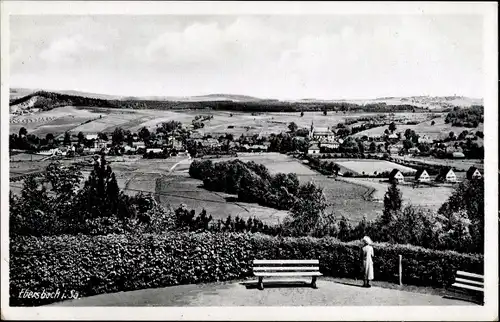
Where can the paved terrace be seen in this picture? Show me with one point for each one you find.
(330, 292)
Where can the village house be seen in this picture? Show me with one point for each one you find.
(313, 149)
(174, 143)
(321, 134)
(330, 145)
(49, 152)
(128, 148)
(255, 148)
(90, 137)
(473, 173)
(458, 155)
(413, 151)
(396, 176)
(154, 150)
(422, 176)
(393, 138)
(425, 139)
(208, 142)
(139, 145)
(446, 175)
(470, 136)
(196, 135)
(394, 149)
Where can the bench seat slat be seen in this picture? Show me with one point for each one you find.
(288, 274)
(459, 285)
(286, 268)
(469, 274)
(464, 281)
(284, 261)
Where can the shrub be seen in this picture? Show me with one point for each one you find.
(94, 265)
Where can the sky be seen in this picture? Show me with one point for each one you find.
(280, 56)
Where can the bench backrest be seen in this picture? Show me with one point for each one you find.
(282, 265)
(470, 279)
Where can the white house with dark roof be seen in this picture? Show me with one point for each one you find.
(321, 134)
(396, 176)
(474, 173)
(446, 175)
(422, 176)
(313, 149)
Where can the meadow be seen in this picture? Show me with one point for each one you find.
(439, 130)
(429, 197)
(463, 164)
(93, 120)
(344, 198)
(369, 167)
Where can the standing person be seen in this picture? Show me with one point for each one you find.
(367, 255)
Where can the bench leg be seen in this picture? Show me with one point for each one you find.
(313, 283)
(261, 284)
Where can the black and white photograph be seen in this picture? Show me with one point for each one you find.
(251, 157)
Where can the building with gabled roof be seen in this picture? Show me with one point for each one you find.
(473, 173)
(313, 149)
(422, 176)
(446, 175)
(396, 176)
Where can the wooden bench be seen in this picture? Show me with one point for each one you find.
(469, 282)
(286, 268)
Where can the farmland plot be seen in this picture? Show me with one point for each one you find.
(58, 119)
(370, 167)
(346, 198)
(179, 188)
(423, 196)
(439, 130)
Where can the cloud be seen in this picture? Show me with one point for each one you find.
(323, 56)
(70, 49)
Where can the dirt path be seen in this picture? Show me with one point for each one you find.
(245, 293)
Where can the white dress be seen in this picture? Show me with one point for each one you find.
(368, 262)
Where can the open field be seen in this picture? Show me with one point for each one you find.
(179, 188)
(463, 164)
(275, 162)
(423, 196)
(172, 186)
(169, 181)
(73, 119)
(369, 167)
(439, 130)
(21, 157)
(55, 121)
(345, 198)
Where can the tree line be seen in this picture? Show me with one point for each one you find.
(48, 100)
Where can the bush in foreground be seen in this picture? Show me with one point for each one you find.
(102, 264)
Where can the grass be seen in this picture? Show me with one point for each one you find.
(423, 196)
(439, 130)
(369, 167)
(179, 188)
(70, 118)
(346, 198)
(463, 164)
(20, 157)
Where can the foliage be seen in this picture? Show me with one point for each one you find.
(392, 203)
(54, 205)
(466, 117)
(467, 202)
(104, 264)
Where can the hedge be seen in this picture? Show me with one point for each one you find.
(94, 265)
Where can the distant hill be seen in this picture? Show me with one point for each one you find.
(29, 100)
(426, 102)
(16, 93)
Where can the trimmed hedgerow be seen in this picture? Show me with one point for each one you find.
(94, 265)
